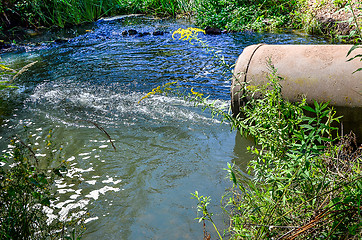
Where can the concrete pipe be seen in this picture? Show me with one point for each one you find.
(319, 72)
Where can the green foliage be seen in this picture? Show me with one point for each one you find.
(340, 3)
(64, 12)
(61, 13)
(303, 181)
(202, 204)
(356, 33)
(231, 15)
(244, 14)
(26, 190)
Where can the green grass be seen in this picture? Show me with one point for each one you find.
(61, 13)
(231, 15)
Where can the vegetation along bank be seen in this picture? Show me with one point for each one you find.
(332, 18)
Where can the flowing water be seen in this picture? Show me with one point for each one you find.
(166, 147)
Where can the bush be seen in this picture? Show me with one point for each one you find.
(239, 15)
(305, 183)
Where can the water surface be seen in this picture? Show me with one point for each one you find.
(166, 147)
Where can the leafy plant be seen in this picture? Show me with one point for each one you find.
(26, 190)
(243, 14)
(202, 204)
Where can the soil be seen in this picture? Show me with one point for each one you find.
(332, 18)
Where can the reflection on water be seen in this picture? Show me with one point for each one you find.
(166, 148)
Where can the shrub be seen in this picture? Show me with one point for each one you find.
(244, 14)
(305, 183)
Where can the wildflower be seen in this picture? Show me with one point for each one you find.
(196, 93)
(159, 89)
(188, 33)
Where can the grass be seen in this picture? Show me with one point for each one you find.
(241, 15)
(61, 13)
(230, 15)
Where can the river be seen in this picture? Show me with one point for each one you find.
(165, 147)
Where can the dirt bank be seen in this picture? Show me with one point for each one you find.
(333, 17)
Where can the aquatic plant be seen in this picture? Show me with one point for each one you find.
(159, 89)
(5, 72)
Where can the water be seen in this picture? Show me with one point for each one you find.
(166, 147)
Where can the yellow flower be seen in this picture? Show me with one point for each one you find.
(196, 93)
(188, 33)
(158, 89)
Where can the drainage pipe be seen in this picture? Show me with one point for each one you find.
(318, 72)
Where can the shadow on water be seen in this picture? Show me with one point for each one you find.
(166, 148)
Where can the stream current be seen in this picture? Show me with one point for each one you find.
(166, 147)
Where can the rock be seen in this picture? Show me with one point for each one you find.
(158, 33)
(19, 49)
(61, 40)
(267, 21)
(143, 34)
(212, 31)
(31, 32)
(132, 32)
(13, 48)
(249, 32)
(115, 18)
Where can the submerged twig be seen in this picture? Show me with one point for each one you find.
(103, 130)
(24, 69)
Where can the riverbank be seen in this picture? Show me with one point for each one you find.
(337, 20)
(22, 19)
